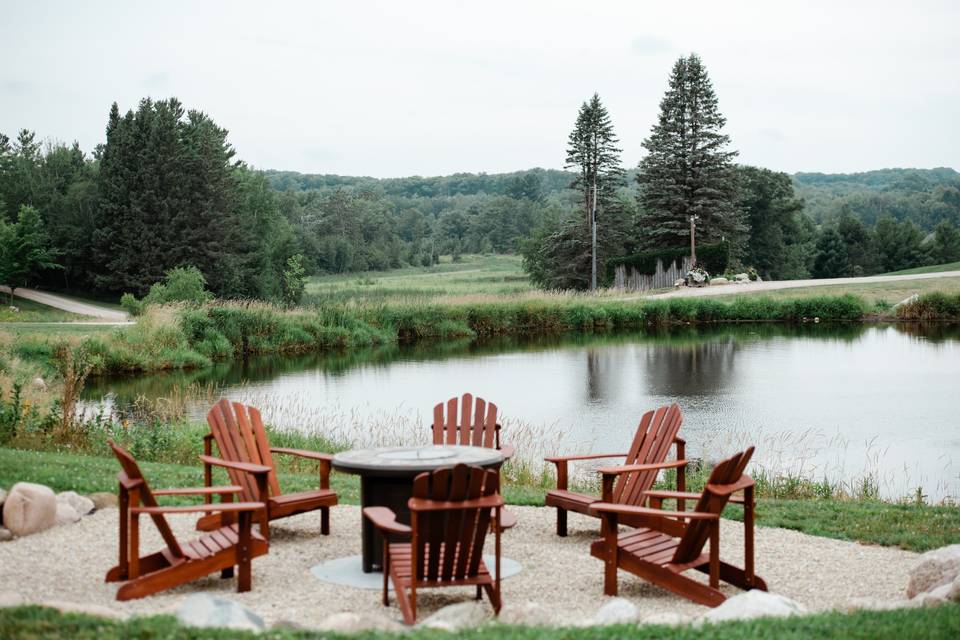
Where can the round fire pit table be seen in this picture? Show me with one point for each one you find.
(386, 480)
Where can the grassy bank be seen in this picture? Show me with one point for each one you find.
(915, 527)
(942, 623)
(30, 311)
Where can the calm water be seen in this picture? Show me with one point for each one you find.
(837, 402)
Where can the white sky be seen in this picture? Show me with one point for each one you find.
(402, 88)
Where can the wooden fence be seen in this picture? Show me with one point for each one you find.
(661, 278)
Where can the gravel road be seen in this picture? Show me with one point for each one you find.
(68, 564)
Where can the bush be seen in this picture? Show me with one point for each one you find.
(931, 306)
(183, 284)
(131, 305)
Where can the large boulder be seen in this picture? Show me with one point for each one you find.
(81, 504)
(29, 508)
(103, 499)
(754, 604)
(459, 616)
(616, 611)
(204, 610)
(718, 281)
(935, 568)
(5, 534)
(66, 514)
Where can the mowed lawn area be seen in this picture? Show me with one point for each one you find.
(30, 311)
(883, 292)
(489, 275)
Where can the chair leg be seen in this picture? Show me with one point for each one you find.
(386, 572)
(479, 592)
(243, 552)
(561, 522)
(715, 554)
(325, 520)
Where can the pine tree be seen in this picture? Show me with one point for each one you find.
(592, 150)
(831, 260)
(946, 243)
(688, 169)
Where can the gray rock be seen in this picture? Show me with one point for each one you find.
(669, 618)
(955, 590)
(203, 610)
(935, 568)
(459, 616)
(103, 500)
(754, 604)
(616, 611)
(346, 622)
(5, 534)
(10, 599)
(85, 608)
(66, 514)
(29, 508)
(526, 613)
(741, 277)
(81, 504)
(936, 597)
(720, 280)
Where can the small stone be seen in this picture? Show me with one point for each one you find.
(66, 514)
(526, 613)
(616, 611)
(81, 504)
(346, 622)
(459, 616)
(29, 508)
(204, 610)
(85, 608)
(103, 500)
(5, 534)
(934, 568)
(10, 599)
(668, 618)
(937, 597)
(754, 604)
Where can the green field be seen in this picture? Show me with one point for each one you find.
(486, 275)
(952, 266)
(30, 311)
(890, 292)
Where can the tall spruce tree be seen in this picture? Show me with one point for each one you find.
(592, 150)
(688, 169)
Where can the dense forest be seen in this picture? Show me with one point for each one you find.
(165, 190)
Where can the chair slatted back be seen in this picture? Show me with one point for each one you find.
(727, 472)
(457, 534)
(131, 473)
(651, 444)
(476, 426)
(238, 430)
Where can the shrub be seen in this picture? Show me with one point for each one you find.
(131, 305)
(183, 284)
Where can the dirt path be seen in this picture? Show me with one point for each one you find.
(66, 304)
(731, 289)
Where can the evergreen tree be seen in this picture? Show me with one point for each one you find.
(767, 198)
(861, 253)
(831, 260)
(688, 170)
(25, 250)
(946, 244)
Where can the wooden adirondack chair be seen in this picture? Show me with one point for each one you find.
(629, 483)
(672, 542)
(477, 427)
(220, 550)
(248, 458)
(450, 514)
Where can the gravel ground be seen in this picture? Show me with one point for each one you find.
(68, 564)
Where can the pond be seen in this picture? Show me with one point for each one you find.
(846, 403)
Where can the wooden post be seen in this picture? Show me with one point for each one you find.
(693, 242)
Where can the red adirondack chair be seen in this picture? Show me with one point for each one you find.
(477, 425)
(450, 513)
(632, 481)
(231, 545)
(671, 542)
(248, 458)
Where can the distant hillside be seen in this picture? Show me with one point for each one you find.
(925, 196)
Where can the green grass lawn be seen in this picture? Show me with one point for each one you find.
(912, 527)
(941, 623)
(30, 311)
(952, 266)
(495, 275)
(890, 292)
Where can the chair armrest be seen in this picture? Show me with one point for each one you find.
(233, 507)
(385, 519)
(591, 456)
(507, 451)
(302, 453)
(627, 468)
(683, 495)
(197, 491)
(246, 467)
(422, 504)
(610, 507)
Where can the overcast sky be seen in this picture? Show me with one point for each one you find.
(431, 88)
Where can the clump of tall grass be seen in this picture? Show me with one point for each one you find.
(931, 306)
